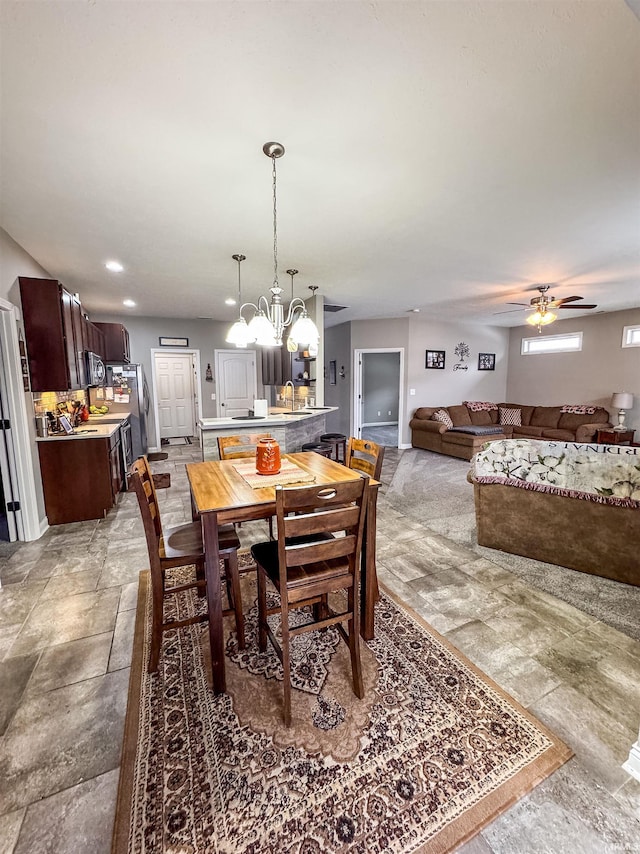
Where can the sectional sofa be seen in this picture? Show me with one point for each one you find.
(471, 427)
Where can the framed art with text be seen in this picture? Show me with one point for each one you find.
(435, 359)
(486, 361)
(174, 342)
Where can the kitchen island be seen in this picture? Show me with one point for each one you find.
(291, 429)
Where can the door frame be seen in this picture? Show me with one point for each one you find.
(24, 449)
(216, 357)
(358, 386)
(197, 387)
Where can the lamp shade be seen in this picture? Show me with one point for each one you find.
(622, 400)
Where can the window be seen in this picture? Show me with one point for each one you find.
(552, 344)
(631, 336)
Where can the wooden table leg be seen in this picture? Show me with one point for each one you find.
(214, 600)
(369, 579)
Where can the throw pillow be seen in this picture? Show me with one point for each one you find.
(443, 416)
(512, 417)
(580, 409)
(480, 405)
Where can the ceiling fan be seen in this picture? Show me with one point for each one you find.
(543, 308)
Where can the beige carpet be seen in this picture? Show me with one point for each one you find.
(433, 753)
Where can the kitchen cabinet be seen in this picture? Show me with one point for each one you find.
(53, 323)
(81, 478)
(276, 365)
(116, 342)
(94, 339)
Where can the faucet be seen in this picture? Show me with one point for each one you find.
(293, 393)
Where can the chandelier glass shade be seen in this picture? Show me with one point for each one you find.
(270, 319)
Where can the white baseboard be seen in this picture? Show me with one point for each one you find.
(404, 447)
(380, 424)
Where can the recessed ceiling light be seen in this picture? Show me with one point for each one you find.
(413, 310)
(114, 266)
(229, 301)
(128, 302)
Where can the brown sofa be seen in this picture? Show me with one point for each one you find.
(538, 422)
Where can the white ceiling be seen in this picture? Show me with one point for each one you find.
(440, 155)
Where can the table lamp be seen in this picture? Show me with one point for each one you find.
(621, 400)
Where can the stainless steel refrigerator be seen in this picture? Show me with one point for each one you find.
(126, 390)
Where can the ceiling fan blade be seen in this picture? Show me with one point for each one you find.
(580, 307)
(567, 299)
(525, 304)
(510, 310)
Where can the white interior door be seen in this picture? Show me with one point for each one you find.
(236, 382)
(175, 392)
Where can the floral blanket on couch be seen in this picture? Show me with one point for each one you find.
(608, 474)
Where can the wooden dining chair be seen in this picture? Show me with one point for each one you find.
(365, 456)
(180, 546)
(307, 562)
(240, 447)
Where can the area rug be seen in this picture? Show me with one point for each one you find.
(432, 754)
(157, 456)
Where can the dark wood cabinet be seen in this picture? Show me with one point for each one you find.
(116, 342)
(276, 365)
(96, 482)
(53, 323)
(94, 338)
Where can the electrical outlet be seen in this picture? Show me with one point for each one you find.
(213, 395)
(412, 391)
(389, 413)
(378, 412)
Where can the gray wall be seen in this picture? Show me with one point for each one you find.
(337, 347)
(380, 376)
(438, 387)
(590, 376)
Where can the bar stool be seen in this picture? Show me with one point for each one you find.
(323, 449)
(337, 441)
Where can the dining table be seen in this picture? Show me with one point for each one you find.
(220, 495)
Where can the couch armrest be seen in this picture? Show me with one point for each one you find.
(425, 426)
(587, 432)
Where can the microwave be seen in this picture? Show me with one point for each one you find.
(95, 369)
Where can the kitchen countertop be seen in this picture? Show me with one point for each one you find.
(85, 431)
(109, 418)
(275, 417)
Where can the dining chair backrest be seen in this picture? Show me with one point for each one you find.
(365, 456)
(307, 514)
(236, 447)
(142, 480)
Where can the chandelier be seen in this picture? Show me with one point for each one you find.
(266, 327)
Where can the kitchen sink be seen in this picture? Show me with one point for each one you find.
(247, 417)
(295, 412)
(318, 407)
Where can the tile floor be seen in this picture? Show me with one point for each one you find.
(67, 607)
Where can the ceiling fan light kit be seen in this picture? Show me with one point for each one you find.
(269, 321)
(544, 307)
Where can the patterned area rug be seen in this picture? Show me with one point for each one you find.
(433, 753)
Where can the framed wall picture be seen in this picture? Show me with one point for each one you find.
(486, 361)
(435, 359)
(332, 372)
(174, 342)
